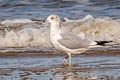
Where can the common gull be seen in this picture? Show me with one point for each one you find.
(65, 41)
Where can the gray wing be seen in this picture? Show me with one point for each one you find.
(73, 42)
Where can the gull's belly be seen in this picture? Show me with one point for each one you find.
(54, 40)
(57, 45)
(60, 47)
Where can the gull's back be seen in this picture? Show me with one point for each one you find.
(72, 41)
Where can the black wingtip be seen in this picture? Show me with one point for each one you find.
(102, 42)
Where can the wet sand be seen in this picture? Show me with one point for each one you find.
(45, 64)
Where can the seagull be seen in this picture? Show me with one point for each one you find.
(65, 41)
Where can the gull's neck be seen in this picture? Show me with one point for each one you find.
(55, 31)
(55, 27)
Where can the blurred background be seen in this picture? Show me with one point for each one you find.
(74, 9)
(25, 49)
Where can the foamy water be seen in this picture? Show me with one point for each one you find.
(35, 33)
(24, 35)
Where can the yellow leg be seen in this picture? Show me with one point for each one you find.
(70, 64)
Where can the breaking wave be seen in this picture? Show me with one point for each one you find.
(35, 33)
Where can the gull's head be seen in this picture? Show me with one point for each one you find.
(53, 19)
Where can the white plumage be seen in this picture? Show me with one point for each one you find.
(65, 41)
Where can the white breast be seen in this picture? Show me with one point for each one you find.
(54, 37)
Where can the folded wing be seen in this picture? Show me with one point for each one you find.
(74, 42)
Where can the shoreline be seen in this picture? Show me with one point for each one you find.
(51, 52)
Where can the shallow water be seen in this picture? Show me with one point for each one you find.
(45, 64)
(42, 8)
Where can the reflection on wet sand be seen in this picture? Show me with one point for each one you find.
(59, 73)
(28, 65)
(81, 75)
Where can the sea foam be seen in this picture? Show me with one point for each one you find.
(35, 33)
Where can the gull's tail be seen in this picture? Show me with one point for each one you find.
(102, 42)
(98, 43)
(93, 43)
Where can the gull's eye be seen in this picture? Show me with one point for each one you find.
(52, 18)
